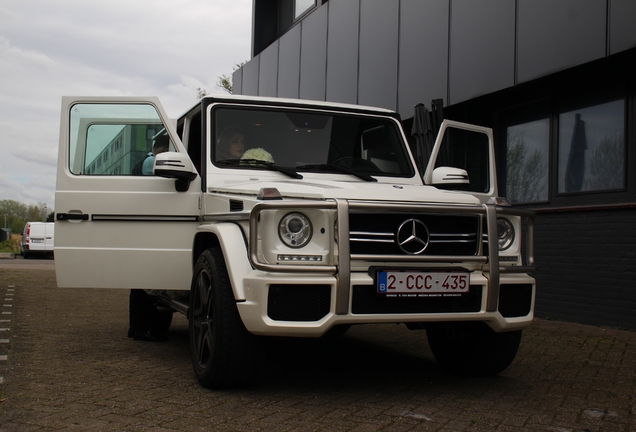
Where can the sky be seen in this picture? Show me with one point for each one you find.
(54, 48)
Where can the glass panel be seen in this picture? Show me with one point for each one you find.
(467, 150)
(592, 148)
(115, 139)
(309, 142)
(527, 161)
(302, 6)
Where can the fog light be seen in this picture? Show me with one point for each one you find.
(300, 258)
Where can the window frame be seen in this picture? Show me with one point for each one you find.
(570, 103)
(552, 107)
(299, 16)
(536, 110)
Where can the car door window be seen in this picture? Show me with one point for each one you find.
(115, 139)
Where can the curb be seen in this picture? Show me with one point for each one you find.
(7, 255)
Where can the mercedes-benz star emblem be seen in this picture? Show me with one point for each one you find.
(412, 236)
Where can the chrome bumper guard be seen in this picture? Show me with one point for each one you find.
(342, 271)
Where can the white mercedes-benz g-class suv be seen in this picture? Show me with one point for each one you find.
(276, 217)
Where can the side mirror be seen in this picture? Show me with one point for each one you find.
(177, 166)
(450, 178)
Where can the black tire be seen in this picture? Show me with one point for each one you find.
(472, 349)
(223, 352)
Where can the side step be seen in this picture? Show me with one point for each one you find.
(179, 306)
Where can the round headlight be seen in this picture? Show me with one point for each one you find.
(295, 230)
(505, 233)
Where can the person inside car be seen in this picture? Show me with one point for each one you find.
(161, 144)
(231, 144)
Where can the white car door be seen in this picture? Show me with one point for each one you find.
(114, 226)
(463, 158)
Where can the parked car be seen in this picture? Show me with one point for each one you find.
(37, 239)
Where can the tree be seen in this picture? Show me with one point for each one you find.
(15, 215)
(201, 93)
(226, 82)
(606, 165)
(526, 173)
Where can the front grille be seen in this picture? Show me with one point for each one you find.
(298, 302)
(377, 234)
(366, 300)
(515, 300)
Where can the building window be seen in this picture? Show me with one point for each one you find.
(561, 151)
(302, 6)
(591, 149)
(527, 150)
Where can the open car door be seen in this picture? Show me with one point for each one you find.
(463, 157)
(117, 224)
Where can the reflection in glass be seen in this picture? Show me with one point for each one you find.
(592, 148)
(527, 161)
(112, 139)
(302, 6)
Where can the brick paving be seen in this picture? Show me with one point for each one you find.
(70, 367)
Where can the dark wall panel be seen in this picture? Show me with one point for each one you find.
(482, 48)
(268, 71)
(586, 267)
(622, 25)
(250, 77)
(556, 35)
(289, 63)
(342, 51)
(377, 85)
(423, 63)
(313, 55)
(237, 81)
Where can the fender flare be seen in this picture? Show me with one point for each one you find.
(232, 241)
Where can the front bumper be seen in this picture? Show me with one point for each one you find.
(308, 300)
(305, 305)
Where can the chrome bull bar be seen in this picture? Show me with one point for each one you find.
(342, 269)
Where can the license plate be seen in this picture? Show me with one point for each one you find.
(422, 284)
(37, 241)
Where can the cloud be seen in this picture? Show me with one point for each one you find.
(48, 158)
(165, 48)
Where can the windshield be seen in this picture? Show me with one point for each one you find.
(302, 141)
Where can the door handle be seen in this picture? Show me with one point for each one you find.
(71, 216)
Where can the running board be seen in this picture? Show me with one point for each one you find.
(171, 303)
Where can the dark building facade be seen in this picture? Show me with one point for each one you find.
(555, 79)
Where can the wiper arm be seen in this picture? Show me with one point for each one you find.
(270, 166)
(341, 169)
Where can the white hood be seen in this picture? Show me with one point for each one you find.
(356, 190)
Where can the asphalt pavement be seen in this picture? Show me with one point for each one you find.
(67, 365)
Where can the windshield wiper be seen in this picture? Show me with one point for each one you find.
(338, 168)
(269, 165)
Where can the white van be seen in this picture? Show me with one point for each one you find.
(37, 238)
